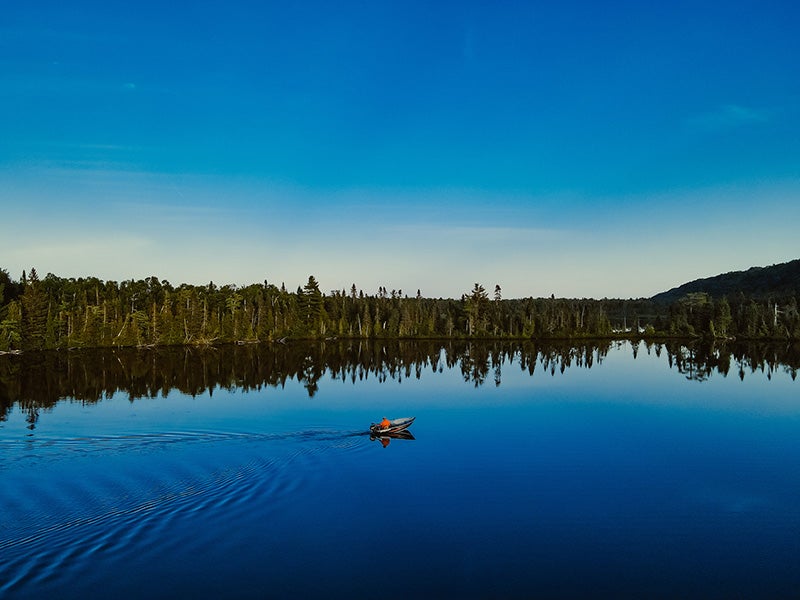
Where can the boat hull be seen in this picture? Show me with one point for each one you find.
(395, 426)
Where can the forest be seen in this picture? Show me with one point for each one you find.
(55, 313)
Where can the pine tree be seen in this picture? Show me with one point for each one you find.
(476, 304)
(310, 300)
(722, 317)
(11, 328)
(34, 313)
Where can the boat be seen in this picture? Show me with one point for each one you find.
(395, 425)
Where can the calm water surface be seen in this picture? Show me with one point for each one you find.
(613, 470)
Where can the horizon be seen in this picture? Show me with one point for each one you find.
(580, 151)
(490, 289)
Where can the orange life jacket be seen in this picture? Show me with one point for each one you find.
(385, 423)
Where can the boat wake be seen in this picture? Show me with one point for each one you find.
(112, 498)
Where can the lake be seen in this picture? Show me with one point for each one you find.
(596, 470)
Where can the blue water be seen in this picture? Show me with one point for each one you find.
(623, 480)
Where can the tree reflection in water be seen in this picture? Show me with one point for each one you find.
(35, 381)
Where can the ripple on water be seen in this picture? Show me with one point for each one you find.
(125, 499)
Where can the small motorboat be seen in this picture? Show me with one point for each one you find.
(395, 425)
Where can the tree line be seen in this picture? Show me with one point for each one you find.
(55, 312)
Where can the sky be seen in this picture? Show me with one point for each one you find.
(581, 149)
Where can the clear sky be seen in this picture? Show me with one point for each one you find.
(582, 149)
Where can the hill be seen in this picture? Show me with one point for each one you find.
(776, 281)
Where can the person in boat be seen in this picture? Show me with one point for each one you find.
(385, 424)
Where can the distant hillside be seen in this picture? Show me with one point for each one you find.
(757, 282)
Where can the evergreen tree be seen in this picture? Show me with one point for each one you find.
(476, 304)
(34, 313)
(11, 328)
(722, 317)
(310, 299)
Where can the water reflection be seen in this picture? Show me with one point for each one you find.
(36, 381)
(386, 438)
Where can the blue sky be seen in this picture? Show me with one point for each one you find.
(574, 148)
